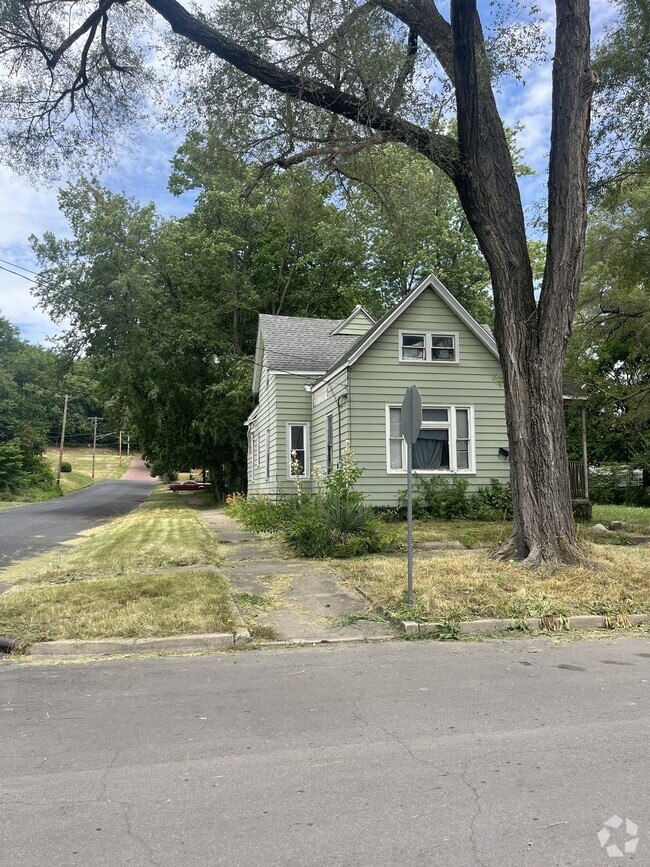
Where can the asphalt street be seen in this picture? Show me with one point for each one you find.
(36, 527)
(491, 754)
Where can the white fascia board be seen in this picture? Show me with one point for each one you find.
(298, 372)
(252, 416)
(429, 282)
(258, 360)
(357, 309)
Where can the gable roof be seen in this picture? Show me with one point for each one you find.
(361, 344)
(299, 344)
(359, 312)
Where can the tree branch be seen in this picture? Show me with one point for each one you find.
(90, 23)
(440, 149)
(423, 17)
(405, 72)
(573, 85)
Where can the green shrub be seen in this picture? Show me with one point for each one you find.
(66, 467)
(582, 510)
(497, 498)
(334, 522)
(445, 499)
(263, 515)
(332, 525)
(616, 485)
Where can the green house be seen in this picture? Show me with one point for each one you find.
(323, 384)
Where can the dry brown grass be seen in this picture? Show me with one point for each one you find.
(134, 607)
(468, 586)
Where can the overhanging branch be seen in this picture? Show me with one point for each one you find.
(440, 149)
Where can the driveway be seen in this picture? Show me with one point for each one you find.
(36, 527)
(491, 754)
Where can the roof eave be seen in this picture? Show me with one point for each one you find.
(445, 295)
(257, 363)
(358, 309)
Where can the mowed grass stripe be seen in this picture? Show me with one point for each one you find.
(137, 606)
(161, 533)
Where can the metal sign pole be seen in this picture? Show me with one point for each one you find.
(409, 522)
(411, 422)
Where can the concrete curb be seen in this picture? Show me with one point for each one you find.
(242, 635)
(207, 641)
(533, 624)
(318, 642)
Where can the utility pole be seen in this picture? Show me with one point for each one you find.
(95, 420)
(120, 458)
(65, 417)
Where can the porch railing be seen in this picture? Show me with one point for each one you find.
(577, 476)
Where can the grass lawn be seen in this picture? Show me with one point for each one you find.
(161, 533)
(470, 586)
(95, 587)
(468, 533)
(637, 518)
(106, 465)
(137, 606)
(493, 533)
(74, 481)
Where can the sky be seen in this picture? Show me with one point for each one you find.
(142, 173)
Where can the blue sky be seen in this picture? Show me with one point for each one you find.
(142, 173)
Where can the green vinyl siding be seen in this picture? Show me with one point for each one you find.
(281, 401)
(264, 421)
(325, 401)
(358, 324)
(379, 378)
(293, 404)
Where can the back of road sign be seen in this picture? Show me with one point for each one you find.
(411, 414)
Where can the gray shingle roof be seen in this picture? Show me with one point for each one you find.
(301, 343)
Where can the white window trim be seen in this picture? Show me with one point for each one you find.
(413, 333)
(252, 453)
(428, 349)
(451, 426)
(305, 425)
(329, 429)
(267, 465)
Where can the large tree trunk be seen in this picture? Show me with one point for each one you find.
(532, 336)
(544, 530)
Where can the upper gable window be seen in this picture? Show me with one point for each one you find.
(432, 346)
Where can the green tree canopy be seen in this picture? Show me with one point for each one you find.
(610, 351)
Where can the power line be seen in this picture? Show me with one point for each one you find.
(2, 268)
(20, 267)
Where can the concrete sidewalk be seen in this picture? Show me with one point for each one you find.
(301, 600)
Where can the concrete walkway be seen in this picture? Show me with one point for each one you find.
(301, 600)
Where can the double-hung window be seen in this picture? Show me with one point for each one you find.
(297, 450)
(267, 473)
(445, 443)
(253, 446)
(330, 443)
(428, 346)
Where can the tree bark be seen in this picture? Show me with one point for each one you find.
(532, 337)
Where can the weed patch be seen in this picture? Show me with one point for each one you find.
(453, 588)
(137, 606)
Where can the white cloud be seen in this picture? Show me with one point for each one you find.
(26, 209)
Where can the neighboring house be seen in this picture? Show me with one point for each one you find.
(324, 383)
